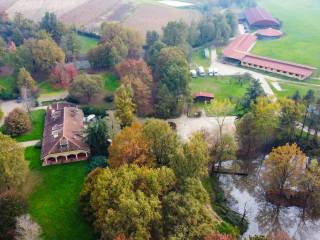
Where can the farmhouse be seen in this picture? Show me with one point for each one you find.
(238, 52)
(203, 97)
(63, 140)
(269, 33)
(259, 18)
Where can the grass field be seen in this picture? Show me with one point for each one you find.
(302, 31)
(37, 118)
(47, 88)
(221, 87)
(87, 43)
(199, 59)
(110, 81)
(54, 202)
(289, 89)
(7, 84)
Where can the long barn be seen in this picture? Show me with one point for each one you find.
(238, 52)
(260, 18)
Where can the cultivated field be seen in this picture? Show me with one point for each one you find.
(301, 25)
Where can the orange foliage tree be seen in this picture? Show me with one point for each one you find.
(64, 74)
(130, 147)
(137, 75)
(218, 236)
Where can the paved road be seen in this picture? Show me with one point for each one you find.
(228, 70)
(30, 143)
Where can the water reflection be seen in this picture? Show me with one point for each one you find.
(246, 194)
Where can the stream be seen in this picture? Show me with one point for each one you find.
(246, 193)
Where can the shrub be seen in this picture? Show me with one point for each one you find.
(17, 122)
(97, 161)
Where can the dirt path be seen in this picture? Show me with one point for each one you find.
(30, 143)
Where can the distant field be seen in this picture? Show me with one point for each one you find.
(54, 202)
(221, 87)
(87, 43)
(301, 26)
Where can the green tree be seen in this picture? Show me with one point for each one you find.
(175, 33)
(186, 214)
(97, 136)
(11, 207)
(162, 140)
(25, 80)
(167, 104)
(1, 114)
(126, 200)
(192, 159)
(17, 122)
(153, 52)
(70, 43)
(53, 26)
(13, 167)
(124, 106)
(86, 88)
(151, 38)
(232, 21)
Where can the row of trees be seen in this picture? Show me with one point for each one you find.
(152, 187)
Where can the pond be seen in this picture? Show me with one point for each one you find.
(246, 194)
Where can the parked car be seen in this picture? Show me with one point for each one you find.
(201, 71)
(215, 71)
(193, 73)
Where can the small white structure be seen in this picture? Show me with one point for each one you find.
(201, 71)
(215, 71)
(193, 73)
(90, 118)
(206, 53)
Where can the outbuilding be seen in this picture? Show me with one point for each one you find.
(269, 34)
(203, 97)
(257, 17)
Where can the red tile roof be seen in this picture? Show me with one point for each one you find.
(258, 15)
(279, 65)
(203, 94)
(269, 32)
(240, 46)
(64, 122)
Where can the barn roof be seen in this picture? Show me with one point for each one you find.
(269, 32)
(257, 14)
(279, 65)
(63, 122)
(203, 94)
(240, 46)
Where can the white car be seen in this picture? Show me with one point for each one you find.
(201, 71)
(210, 71)
(193, 73)
(215, 71)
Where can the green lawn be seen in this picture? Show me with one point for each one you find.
(54, 202)
(301, 26)
(37, 118)
(87, 43)
(110, 81)
(47, 88)
(199, 59)
(221, 87)
(288, 89)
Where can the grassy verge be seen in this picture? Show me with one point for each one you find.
(199, 59)
(289, 89)
(232, 220)
(37, 118)
(47, 88)
(86, 43)
(54, 202)
(221, 87)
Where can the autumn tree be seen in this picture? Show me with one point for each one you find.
(283, 167)
(162, 140)
(13, 167)
(86, 88)
(25, 80)
(218, 236)
(137, 75)
(126, 200)
(130, 147)
(192, 159)
(97, 136)
(223, 149)
(125, 106)
(186, 214)
(12, 205)
(38, 55)
(63, 74)
(220, 110)
(17, 122)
